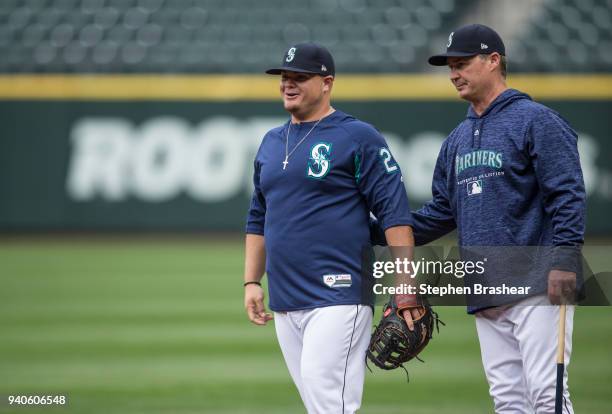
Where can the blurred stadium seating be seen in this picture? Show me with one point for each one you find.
(237, 36)
(567, 36)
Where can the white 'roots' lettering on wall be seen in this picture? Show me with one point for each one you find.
(166, 157)
(112, 160)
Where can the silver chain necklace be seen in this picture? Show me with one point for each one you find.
(287, 153)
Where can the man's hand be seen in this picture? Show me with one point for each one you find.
(561, 287)
(254, 304)
(409, 309)
(411, 315)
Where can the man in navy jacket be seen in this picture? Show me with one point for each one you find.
(509, 175)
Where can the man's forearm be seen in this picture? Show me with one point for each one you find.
(399, 236)
(401, 246)
(254, 258)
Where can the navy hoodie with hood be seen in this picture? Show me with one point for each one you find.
(509, 177)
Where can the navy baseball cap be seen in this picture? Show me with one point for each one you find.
(306, 58)
(471, 40)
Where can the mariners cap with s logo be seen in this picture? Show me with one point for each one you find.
(471, 40)
(306, 58)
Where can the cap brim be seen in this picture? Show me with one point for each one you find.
(277, 71)
(442, 60)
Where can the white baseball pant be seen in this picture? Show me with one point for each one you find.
(518, 345)
(324, 349)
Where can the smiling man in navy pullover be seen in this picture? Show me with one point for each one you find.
(509, 175)
(316, 179)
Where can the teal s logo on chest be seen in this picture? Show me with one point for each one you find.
(478, 158)
(319, 162)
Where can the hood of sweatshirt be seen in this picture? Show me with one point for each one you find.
(504, 99)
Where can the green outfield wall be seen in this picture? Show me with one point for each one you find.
(71, 161)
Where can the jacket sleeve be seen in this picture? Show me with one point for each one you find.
(435, 218)
(554, 153)
(256, 216)
(380, 181)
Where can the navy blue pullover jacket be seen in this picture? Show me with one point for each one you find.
(314, 214)
(510, 177)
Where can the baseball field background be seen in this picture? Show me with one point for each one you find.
(125, 324)
(127, 134)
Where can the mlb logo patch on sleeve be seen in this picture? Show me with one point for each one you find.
(338, 280)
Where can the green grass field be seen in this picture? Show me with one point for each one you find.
(158, 327)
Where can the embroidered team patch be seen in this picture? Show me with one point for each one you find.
(337, 280)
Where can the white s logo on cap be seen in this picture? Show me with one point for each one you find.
(450, 39)
(290, 54)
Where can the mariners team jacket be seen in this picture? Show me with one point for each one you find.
(510, 177)
(314, 214)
